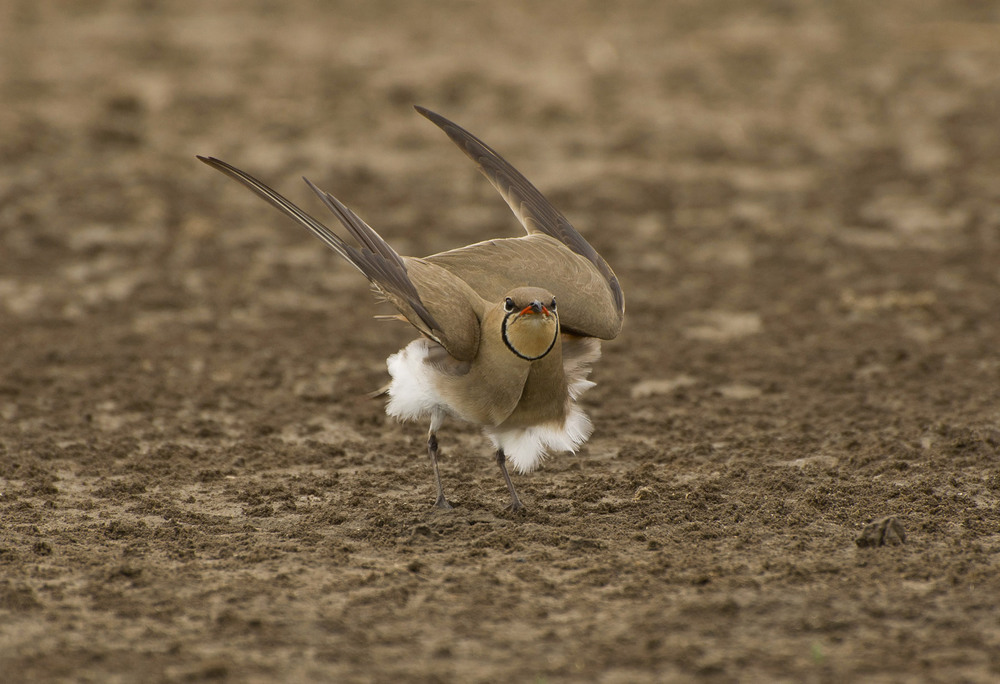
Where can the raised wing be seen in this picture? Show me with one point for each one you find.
(435, 301)
(495, 267)
(535, 213)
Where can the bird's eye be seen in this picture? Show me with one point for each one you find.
(552, 306)
(508, 304)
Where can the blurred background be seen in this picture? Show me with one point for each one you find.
(802, 202)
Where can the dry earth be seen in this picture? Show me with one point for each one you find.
(802, 201)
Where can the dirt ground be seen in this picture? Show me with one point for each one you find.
(802, 202)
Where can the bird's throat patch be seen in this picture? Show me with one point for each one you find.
(510, 345)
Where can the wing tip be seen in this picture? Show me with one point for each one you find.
(313, 187)
(216, 163)
(445, 124)
(426, 113)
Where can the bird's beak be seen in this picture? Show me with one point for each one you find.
(534, 308)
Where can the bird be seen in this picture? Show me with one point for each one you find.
(509, 327)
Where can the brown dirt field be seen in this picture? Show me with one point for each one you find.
(802, 202)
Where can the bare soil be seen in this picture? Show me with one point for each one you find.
(802, 202)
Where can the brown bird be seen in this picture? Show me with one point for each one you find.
(509, 327)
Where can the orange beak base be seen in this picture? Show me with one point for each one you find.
(530, 310)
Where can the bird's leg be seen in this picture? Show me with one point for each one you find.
(432, 449)
(515, 503)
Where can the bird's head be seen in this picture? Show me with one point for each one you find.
(530, 324)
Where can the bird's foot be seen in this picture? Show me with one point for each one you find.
(443, 503)
(515, 506)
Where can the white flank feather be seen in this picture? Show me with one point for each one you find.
(578, 354)
(411, 391)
